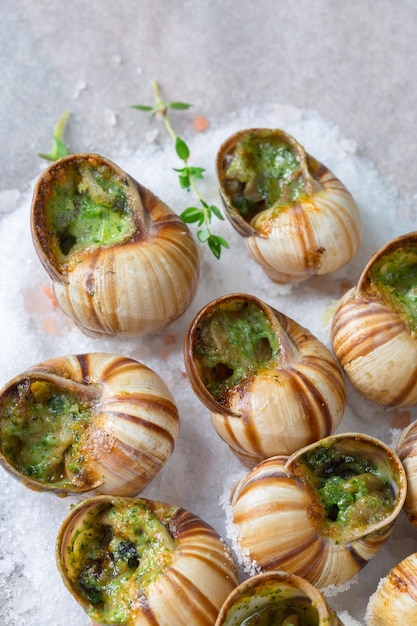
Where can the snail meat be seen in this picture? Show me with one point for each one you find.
(133, 561)
(323, 512)
(87, 422)
(298, 219)
(271, 386)
(374, 326)
(121, 261)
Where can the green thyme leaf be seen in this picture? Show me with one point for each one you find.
(214, 209)
(204, 235)
(179, 105)
(215, 243)
(181, 149)
(191, 215)
(142, 107)
(188, 175)
(59, 148)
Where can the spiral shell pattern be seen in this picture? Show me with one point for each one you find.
(280, 409)
(374, 341)
(135, 287)
(133, 428)
(274, 518)
(407, 452)
(316, 234)
(394, 602)
(190, 587)
(313, 237)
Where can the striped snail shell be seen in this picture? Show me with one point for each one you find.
(374, 326)
(138, 562)
(321, 513)
(87, 423)
(121, 261)
(394, 603)
(407, 452)
(297, 217)
(270, 385)
(276, 598)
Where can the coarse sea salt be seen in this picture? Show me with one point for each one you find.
(202, 469)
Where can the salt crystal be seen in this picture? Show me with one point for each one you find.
(80, 86)
(202, 469)
(9, 199)
(110, 117)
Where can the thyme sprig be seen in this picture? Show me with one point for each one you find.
(188, 175)
(59, 148)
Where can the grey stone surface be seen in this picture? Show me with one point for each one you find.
(355, 62)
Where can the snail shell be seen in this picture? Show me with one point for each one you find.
(94, 422)
(121, 261)
(270, 385)
(374, 326)
(158, 564)
(298, 219)
(394, 603)
(278, 596)
(407, 452)
(321, 513)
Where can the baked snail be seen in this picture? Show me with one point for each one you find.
(89, 422)
(298, 219)
(270, 385)
(276, 598)
(121, 261)
(394, 603)
(321, 513)
(134, 561)
(374, 326)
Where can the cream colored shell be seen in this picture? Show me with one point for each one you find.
(394, 603)
(276, 588)
(189, 590)
(137, 287)
(407, 452)
(311, 236)
(134, 428)
(374, 341)
(280, 409)
(275, 525)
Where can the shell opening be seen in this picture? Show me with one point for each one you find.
(394, 275)
(287, 612)
(45, 434)
(114, 552)
(352, 490)
(87, 206)
(275, 598)
(262, 170)
(232, 343)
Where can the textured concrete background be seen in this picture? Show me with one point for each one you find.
(355, 62)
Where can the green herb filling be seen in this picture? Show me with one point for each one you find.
(234, 342)
(89, 208)
(43, 433)
(115, 555)
(261, 172)
(353, 492)
(395, 275)
(286, 613)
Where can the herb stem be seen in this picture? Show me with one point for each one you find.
(161, 109)
(188, 174)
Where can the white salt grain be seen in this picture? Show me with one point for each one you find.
(8, 200)
(202, 468)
